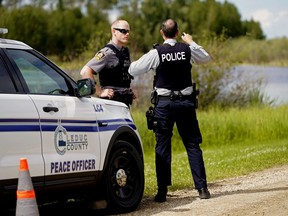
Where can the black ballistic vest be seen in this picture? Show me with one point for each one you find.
(117, 76)
(174, 70)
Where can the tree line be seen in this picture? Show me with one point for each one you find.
(66, 28)
(73, 30)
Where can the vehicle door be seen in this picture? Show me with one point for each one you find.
(19, 130)
(69, 132)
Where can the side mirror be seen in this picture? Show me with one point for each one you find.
(86, 87)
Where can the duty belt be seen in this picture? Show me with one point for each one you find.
(174, 97)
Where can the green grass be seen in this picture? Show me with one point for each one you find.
(220, 162)
(235, 142)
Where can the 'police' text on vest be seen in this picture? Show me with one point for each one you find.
(173, 56)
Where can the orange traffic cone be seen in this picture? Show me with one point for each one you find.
(26, 199)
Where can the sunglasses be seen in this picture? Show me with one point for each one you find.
(123, 31)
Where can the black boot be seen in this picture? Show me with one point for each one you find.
(161, 194)
(204, 193)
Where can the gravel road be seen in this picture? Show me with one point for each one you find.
(261, 193)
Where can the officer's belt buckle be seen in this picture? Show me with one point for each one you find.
(172, 97)
(176, 97)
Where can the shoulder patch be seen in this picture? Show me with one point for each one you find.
(99, 55)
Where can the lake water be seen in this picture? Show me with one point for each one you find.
(275, 78)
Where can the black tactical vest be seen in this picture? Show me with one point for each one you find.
(117, 76)
(174, 70)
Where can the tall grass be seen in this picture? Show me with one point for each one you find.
(235, 142)
(237, 125)
(234, 125)
(250, 51)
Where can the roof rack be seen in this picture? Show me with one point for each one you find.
(3, 30)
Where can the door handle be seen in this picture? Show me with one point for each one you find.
(103, 124)
(49, 108)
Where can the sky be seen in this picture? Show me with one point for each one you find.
(271, 14)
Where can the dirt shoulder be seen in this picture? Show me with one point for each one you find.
(261, 193)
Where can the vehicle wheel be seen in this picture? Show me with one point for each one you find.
(124, 178)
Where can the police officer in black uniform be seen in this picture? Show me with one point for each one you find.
(112, 63)
(172, 63)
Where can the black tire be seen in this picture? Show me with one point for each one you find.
(125, 193)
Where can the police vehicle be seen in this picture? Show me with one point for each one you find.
(76, 145)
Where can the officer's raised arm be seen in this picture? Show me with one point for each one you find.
(198, 53)
(147, 62)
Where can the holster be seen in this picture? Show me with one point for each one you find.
(125, 97)
(151, 122)
(154, 97)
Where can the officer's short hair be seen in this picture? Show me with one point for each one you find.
(169, 28)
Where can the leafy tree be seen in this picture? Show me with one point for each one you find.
(12, 3)
(105, 4)
(253, 29)
(28, 25)
(197, 18)
(138, 26)
(153, 12)
(67, 33)
(38, 3)
(229, 20)
(98, 28)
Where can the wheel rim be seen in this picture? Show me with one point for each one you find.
(124, 177)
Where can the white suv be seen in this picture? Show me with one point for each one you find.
(76, 145)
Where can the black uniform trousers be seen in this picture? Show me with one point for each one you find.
(167, 112)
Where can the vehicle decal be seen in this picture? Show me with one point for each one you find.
(13, 128)
(60, 140)
(64, 141)
(72, 166)
(26, 125)
(98, 108)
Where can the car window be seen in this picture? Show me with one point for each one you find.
(39, 76)
(6, 84)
